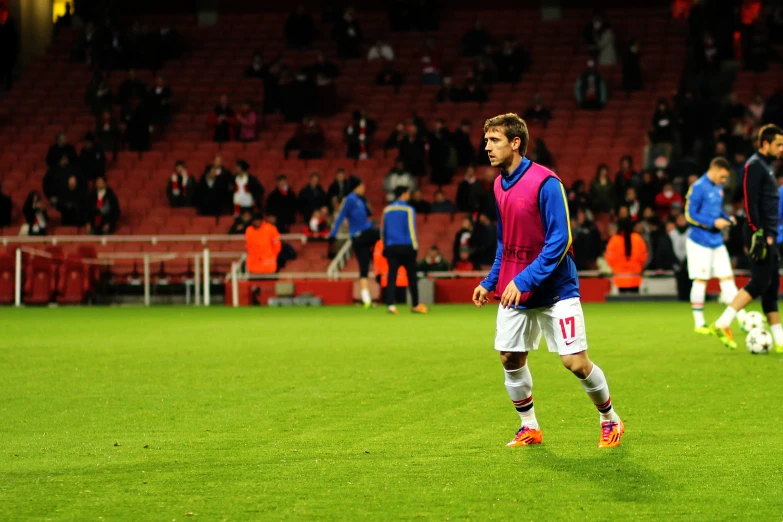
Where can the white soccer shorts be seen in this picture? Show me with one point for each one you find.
(562, 325)
(705, 263)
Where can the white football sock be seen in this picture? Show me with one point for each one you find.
(698, 293)
(366, 296)
(519, 385)
(728, 291)
(598, 391)
(777, 333)
(725, 319)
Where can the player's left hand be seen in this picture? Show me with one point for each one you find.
(512, 296)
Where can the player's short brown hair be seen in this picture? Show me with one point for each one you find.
(513, 127)
(720, 163)
(768, 132)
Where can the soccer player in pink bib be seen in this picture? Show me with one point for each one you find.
(535, 279)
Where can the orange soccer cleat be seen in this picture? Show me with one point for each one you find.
(611, 432)
(420, 309)
(526, 436)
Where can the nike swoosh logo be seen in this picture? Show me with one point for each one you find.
(569, 344)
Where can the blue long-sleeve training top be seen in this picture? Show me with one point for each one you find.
(780, 216)
(354, 209)
(703, 205)
(552, 275)
(399, 225)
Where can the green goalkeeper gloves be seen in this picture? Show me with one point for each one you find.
(758, 246)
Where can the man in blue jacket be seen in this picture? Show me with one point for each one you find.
(707, 255)
(400, 247)
(363, 235)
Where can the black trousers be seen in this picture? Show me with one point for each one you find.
(765, 280)
(363, 244)
(401, 255)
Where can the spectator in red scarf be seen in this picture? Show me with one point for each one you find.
(626, 177)
(223, 120)
(309, 140)
(282, 204)
(359, 135)
(247, 122)
(181, 188)
(319, 224)
(667, 199)
(105, 208)
(248, 191)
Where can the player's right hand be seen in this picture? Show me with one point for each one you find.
(722, 223)
(480, 296)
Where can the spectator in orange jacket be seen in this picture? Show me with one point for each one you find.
(627, 254)
(262, 241)
(381, 265)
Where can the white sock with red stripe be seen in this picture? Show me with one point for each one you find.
(598, 391)
(698, 293)
(519, 385)
(728, 291)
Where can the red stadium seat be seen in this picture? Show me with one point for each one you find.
(73, 281)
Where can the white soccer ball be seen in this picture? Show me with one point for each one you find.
(758, 341)
(753, 320)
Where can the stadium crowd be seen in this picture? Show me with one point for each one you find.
(703, 119)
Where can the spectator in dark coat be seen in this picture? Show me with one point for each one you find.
(463, 145)
(160, 101)
(541, 154)
(107, 134)
(473, 92)
(590, 89)
(537, 112)
(603, 197)
(132, 87)
(299, 29)
(433, 261)
(223, 120)
(282, 203)
(475, 40)
(626, 177)
(462, 237)
(389, 76)
(73, 204)
(632, 69)
(137, 121)
(257, 69)
(241, 222)
(464, 190)
(413, 150)
(340, 188)
(395, 137)
(448, 92)
(419, 204)
(59, 149)
(511, 61)
(348, 36)
(323, 67)
(441, 205)
(309, 139)
(56, 179)
(98, 95)
(181, 188)
(92, 159)
(211, 193)
(9, 42)
(483, 241)
(105, 208)
(442, 154)
(35, 215)
(312, 197)
(6, 209)
(482, 196)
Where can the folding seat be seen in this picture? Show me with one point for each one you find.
(73, 281)
(7, 290)
(39, 281)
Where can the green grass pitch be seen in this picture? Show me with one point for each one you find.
(346, 414)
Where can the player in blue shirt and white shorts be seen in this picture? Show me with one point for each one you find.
(706, 253)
